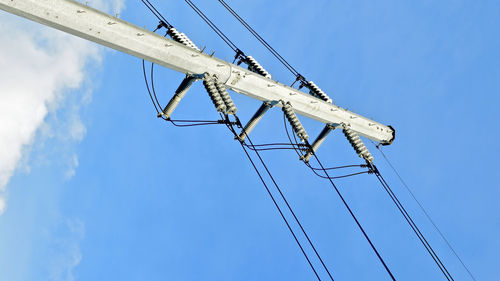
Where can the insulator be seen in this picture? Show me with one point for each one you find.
(181, 38)
(357, 144)
(212, 91)
(255, 66)
(294, 121)
(189, 42)
(230, 106)
(255, 119)
(179, 94)
(314, 90)
(319, 140)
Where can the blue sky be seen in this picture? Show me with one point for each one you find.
(103, 190)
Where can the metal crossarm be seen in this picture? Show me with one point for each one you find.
(91, 24)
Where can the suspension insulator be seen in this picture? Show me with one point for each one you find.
(230, 106)
(294, 121)
(357, 144)
(181, 38)
(254, 66)
(314, 90)
(212, 91)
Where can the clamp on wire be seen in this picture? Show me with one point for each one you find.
(240, 56)
(163, 24)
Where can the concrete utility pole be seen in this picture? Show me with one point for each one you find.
(91, 24)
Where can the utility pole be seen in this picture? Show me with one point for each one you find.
(88, 23)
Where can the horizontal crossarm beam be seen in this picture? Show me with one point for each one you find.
(101, 28)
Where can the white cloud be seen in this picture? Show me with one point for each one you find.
(67, 254)
(111, 6)
(3, 205)
(72, 167)
(38, 66)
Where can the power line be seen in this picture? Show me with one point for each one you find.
(263, 42)
(426, 214)
(155, 12)
(355, 219)
(289, 208)
(277, 206)
(152, 92)
(412, 224)
(213, 26)
(154, 99)
(341, 197)
(252, 147)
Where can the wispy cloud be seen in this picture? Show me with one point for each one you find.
(38, 68)
(67, 254)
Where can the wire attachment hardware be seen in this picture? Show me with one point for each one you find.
(357, 144)
(294, 121)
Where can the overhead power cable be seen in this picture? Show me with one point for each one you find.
(213, 26)
(261, 40)
(426, 214)
(413, 226)
(354, 217)
(327, 176)
(155, 12)
(278, 207)
(280, 192)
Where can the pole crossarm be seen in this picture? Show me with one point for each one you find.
(88, 23)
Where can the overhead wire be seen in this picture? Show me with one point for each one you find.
(155, 12)
(231, 128)
(354, 217)
(284, 198)
(152, 92)
(154, 99)
(261, 40)
(413, 225)
(213, 26)
(327, 176)
(425, 213)
(295, 147)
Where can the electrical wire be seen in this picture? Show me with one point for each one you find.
(338, 177)
(339, 167)
(341, 197)
(147, 87)
(412, 224)
(213, 26)
(278, 207)
(263, 42)
(273, 146)
(154, 99)
(155, 12)
(425, 212)
(282, 196)
(355, 219)
(256, 150)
